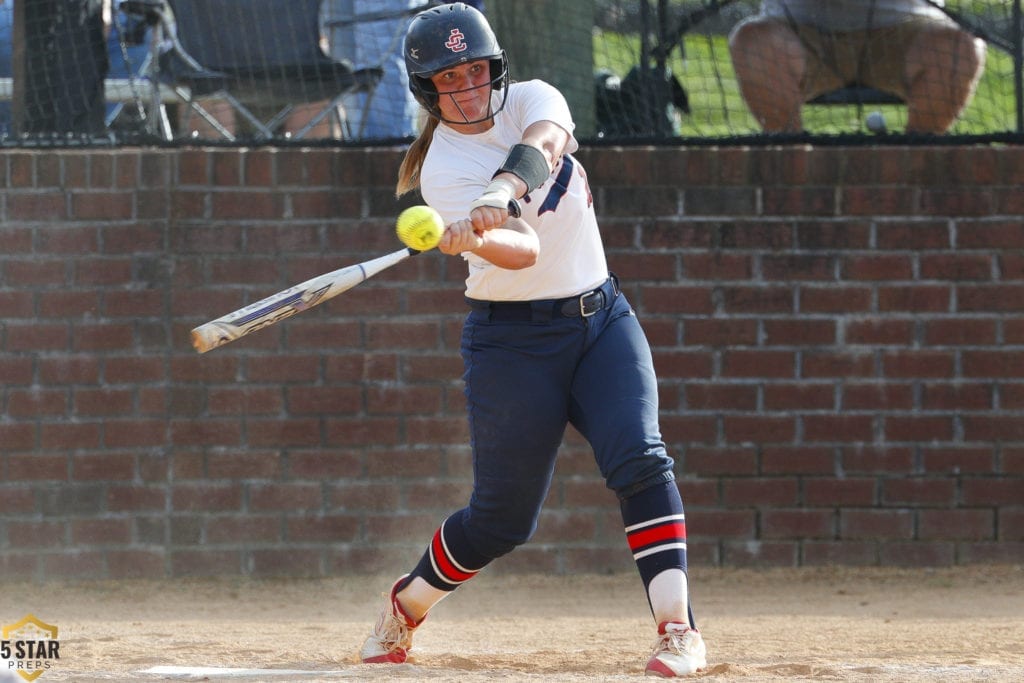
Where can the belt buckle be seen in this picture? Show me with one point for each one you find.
(583, 307)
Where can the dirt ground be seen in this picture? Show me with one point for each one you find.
(962, 624)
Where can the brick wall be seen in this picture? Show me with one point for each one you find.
(839, 335)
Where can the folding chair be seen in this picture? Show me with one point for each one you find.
(170, 73)
(270, 54)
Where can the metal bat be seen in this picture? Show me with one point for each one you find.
(288, 302)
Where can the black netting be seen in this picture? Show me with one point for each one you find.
(332, 71)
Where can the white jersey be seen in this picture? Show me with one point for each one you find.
(458, 167)
(850, 15)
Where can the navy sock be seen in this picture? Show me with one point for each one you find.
(450, 560)
(656, 531)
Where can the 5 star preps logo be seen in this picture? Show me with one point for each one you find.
(29, 648)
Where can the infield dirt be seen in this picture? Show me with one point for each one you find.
(957, 624)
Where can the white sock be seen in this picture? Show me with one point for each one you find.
(669, 597)
(418, 597)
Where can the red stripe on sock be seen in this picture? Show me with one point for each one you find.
(657, 534)
(444, 563)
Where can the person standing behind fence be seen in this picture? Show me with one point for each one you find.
(796, 50)
(549, 340)
(66, 64)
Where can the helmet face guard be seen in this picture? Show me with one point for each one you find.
(443, 37)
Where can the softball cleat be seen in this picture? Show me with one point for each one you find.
(391, 639)
(679, 651)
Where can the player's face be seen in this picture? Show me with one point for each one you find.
(464, 91)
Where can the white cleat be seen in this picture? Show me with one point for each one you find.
(679, 651)
(391, 639)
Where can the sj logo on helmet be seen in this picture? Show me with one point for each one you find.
(456, 42)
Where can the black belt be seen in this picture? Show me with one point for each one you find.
(582, 305)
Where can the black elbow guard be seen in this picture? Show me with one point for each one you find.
(527, 163)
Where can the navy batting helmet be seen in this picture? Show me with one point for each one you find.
(442, 37)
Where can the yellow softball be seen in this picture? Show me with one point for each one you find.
(419, 228)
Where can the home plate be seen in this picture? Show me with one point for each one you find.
(226, 672)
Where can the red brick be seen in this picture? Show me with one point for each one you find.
(997, 298)
(791, 267)
(918, 428)
(916, 491)
(796, 524)
(285, 497)
(35, 207)
(871, 460)
(838, 428)
(268, 433)
(701, 396)
(875, 524)
(102, 337)
(761, 300)
(799, 396)
(916, 236)
(917, 554)
(184, 563)
(758, 363)
(74, 564)
(913, 363)
(717, 266)
(840, 493)
(37, 467)
(839, 553)
(136, 498)
(133, 370)
(102, 205)
(835, 299)
(988, 492)
(101, 531)
(17, 305)
(962, 396)
(69, 241)
(959, 267)
(69, 435)
(682, 364)
(761, 554)
(958, 460)
(715, 462)
(960, 332)
(880, 331)
(136, 564)
(797, 460)
(244, 400)
(799, 332)
(966, 525)
(677, 300)
(878, 267)
(877, 396)
(333, 400)
(774, 492)
(915, 298)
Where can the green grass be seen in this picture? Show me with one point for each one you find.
(718, 110)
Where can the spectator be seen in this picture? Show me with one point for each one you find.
(796, 50)
(391, 111)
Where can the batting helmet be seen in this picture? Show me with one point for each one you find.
(445, 36)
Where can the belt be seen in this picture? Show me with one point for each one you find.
(580, 306)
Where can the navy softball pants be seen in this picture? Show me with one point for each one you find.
(526, 378)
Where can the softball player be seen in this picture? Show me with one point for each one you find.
(550, 339)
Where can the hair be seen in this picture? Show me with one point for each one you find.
(409, 171)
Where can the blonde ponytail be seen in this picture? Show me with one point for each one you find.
(409, 171)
